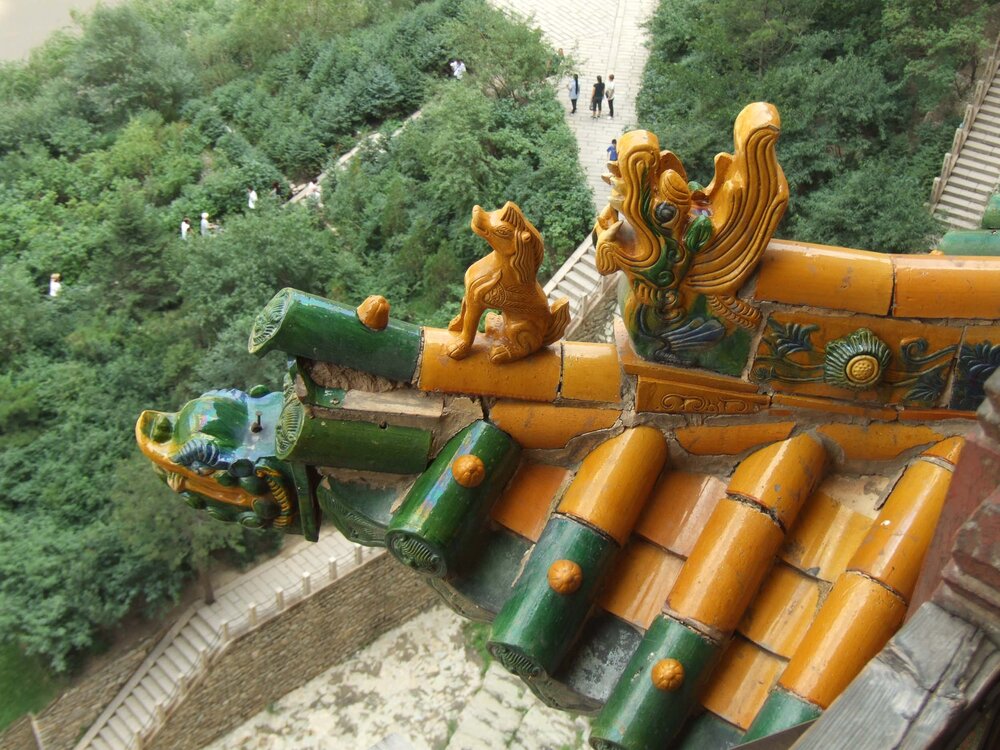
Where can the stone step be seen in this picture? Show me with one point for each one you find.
(583, 281)
(959, 194)
(177, 659)
(987, 117)
(571, 289)
(982, 153)
(99, 743)
(116, 730)
(198, 624)
(960, 210)
(142, 713)
(159, 684)
(146, 698)
(972, 174)
(123, 712)
(190, 643)
(969, 186)
(983, 139)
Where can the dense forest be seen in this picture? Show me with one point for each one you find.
(870, 93)
(163, 109)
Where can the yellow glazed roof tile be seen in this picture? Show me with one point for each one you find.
(781, 613)
(824, 537)
(878, 442)
(837, 278)
(942, 286)
(856, 620)
(535, 425)
(731, 440)
(614, 481)
(535, 378)
(525, 504)
(724, 570)
(740, 684)
(678, 508)
(591, 372)
(781, 476)
(642, 578)
(893, 550)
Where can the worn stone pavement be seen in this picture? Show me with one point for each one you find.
(600, 37)
(417, 688)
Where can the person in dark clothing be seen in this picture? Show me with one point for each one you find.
(596, 97)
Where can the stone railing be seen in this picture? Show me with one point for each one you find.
(230, 630)
(962, 132)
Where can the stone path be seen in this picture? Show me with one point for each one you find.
(415, 688)
(601, 38)
(205, 628)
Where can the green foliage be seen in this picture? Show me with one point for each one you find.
(25, 683)
(160, 110)
(853, 82)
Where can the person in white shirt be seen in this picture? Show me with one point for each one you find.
(55, 284)
(609, 94)
(251, 198)
(185, 227)
(205, 226)
(459, 69)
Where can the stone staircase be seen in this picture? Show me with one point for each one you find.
(971, 170)
(578, 280)
(204, 631)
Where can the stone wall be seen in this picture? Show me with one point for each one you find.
(286, 652)
(18, 736)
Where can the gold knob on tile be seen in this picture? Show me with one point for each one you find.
(863, 369)
(667, 675)
(374, 312)
(468, 470)
(565, 576)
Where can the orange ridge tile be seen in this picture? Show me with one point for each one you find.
(942, 286)
(877, 441)
(590, 372)
(682, 398)
(534, 378)
(731, 440)
(837, 278)
(613, 482)
(524, 506)
(548, 426)
(933, 415)
(836, 407)
(640, 582)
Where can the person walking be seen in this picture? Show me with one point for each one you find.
(596, 97)
(55, 284)
(185, 227)
(251, 198)
(205, 226)
(574, 92)
(613, 150)
(609, 94)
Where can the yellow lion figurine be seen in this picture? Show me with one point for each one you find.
(505, 280)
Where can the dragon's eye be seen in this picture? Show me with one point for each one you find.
(665, 213)
(503, 230)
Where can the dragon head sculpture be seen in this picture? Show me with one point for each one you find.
(218, 452)
(686, 250)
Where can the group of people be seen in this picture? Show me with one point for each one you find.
(600, 93)
(208, 227)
